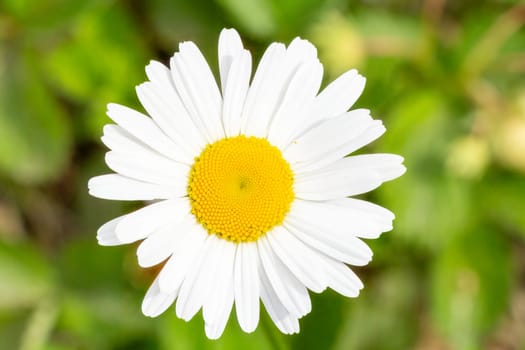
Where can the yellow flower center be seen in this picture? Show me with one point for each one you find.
(240, 188)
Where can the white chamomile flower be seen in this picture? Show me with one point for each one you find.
(250, 183)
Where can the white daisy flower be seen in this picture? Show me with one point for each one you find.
(250, 183)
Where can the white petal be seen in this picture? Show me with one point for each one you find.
(118, 187)
(337, 97)
(153, 169)
(217, 307)
(197, 285)
(197, 88)
(336, 187)
(297, 100)
(183, 258)
(298, 258)
(156, 302)
(230, 47)
(261, 100)
(151, 99)
(332, 140)
(274, 73)
(300, 51)
(161, 243)
(141, 223)
(234, 92)
(215, 330)
(342, 279)
(193, 113)
(129, 157)
(359, 217)
(312, 223)
(106, 233)
(161, 99)
(330, 272)
(121, 141)
(290, 291)
(146, 131)
(348, 176)
(387, 165)
(371, 211)
(246, 285)
(283, 319)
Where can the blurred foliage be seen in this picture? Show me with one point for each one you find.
(447, 78)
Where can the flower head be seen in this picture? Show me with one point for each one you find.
(250, 183)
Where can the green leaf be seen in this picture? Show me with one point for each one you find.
(385, 315)
(293, 15)
(49, 14)
(470, 287)
(26, 276)
(252, 16)
(405, 29)
(174, 21)
(105, 263)
(12, 326)
(107, 319)
(100, 62)
(434, 207)
(35, 136)
(320, 327)
(265, 19)
(177, 334)
(501, 199)
(430, 212)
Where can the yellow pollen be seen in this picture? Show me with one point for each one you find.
(240, 188)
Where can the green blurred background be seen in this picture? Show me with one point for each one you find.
(447, 78)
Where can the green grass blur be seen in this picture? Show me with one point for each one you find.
(446, 77)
